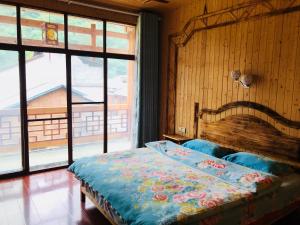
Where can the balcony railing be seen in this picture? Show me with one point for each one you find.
(87, 126)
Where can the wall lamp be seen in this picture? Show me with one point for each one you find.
(244, 79)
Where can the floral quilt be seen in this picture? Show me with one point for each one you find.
(168, 184)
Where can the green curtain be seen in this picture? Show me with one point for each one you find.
(149, 78)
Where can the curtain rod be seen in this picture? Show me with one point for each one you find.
(99, 7)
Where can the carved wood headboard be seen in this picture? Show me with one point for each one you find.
(249, 133)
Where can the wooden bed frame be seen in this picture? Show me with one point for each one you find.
(249, 133)
(243, 133)
(85, 193)
(268, 219)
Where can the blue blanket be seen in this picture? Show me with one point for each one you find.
(169, 184)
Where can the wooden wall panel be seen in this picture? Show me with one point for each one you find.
(268, 48)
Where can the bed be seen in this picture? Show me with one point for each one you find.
(166, 183)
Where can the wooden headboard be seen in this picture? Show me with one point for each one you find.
(250, 133)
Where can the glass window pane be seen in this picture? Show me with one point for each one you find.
(120, 107)
(120, 38)
(41, 28)
(8, 24)
(46, 85)
(46, 99)
(85, 34)
(87, 79)
(88, 127)
(48, 144)
(10, 122)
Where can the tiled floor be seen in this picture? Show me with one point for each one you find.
(53, 198)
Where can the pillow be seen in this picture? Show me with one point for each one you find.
(207, 147)
(259, 163)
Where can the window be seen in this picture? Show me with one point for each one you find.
(85, 34)
(46, 109)
(88, 130)
(10, 117)
(120, 38)
(8, 24)
(120, 104)
(87, 79)
(87, 106)
(41, 28)
(62, 98)
(46, 84)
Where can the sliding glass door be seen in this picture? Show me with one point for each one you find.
(87, 106)
(66, 89)
(46, 109)
(120, 84)
(10, 114)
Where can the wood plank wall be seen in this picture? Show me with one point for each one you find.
(268, 48)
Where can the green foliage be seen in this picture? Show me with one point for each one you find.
(117, 67)
(82, 22)
(117, 43)
(8, 30)
(8, 10)
(77, 38)
(116, 28)
(32, 33)
(8, 59)
(42, 16)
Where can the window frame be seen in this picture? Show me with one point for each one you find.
(21, 49)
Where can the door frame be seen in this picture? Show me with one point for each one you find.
(21, 49)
